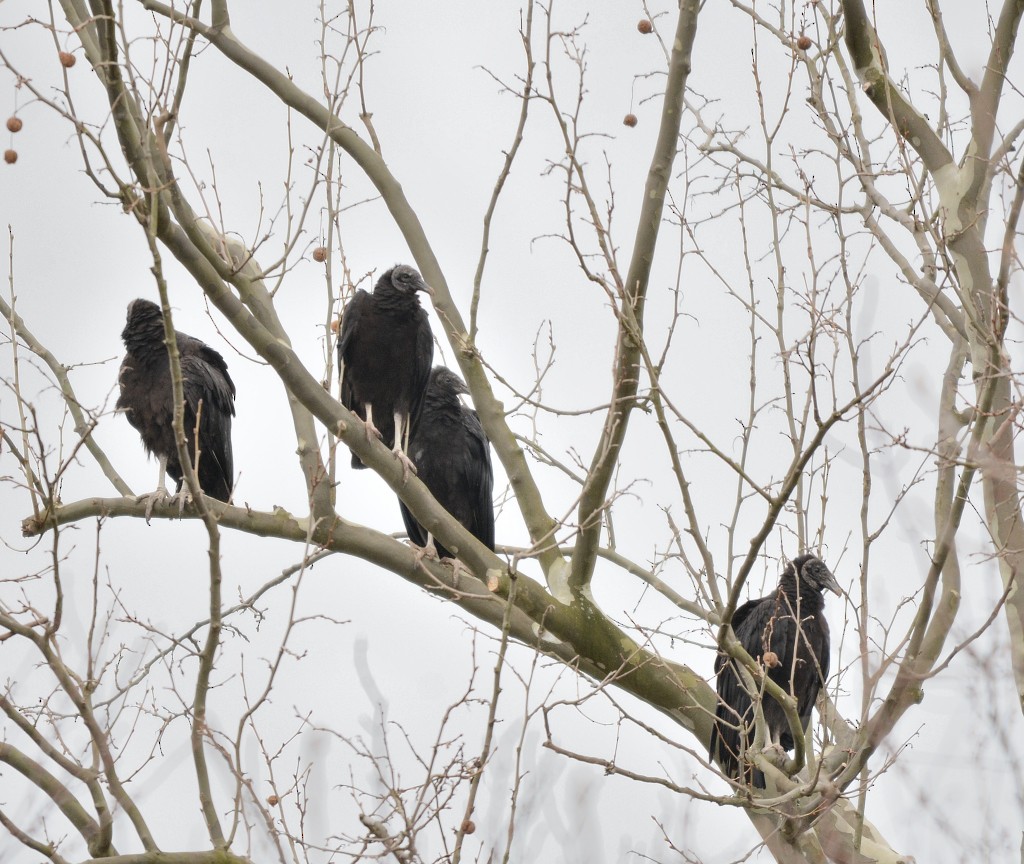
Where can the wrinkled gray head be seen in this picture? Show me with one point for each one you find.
(407, 280)
(813, 571)
(443, 380)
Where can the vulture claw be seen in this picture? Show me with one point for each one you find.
(151, 498)
(427, 551)
(371, 430)
(457, 568)
(182, 497)
(407, 464)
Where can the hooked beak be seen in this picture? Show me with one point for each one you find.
(832, 585)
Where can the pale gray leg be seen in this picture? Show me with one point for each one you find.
(158, 494)
(370, 428)
(402, 437)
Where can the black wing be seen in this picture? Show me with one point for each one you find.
(454, 461)
(414, 529)
(734, 710)
(738, 617)
(480, 477)
(206, 382)
(353, 313)
(803, 651)
(422, 362)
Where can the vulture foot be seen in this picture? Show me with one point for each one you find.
(371, 430)
(426, 551)
(151, 499)
(407, 464)
(457, 568)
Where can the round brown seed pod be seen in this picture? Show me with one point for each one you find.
(771, 659)
(645, 26)
(67, 59)
(468, 827)
(629, 120)
(320, 253)
(804, 42)
(10, 156)
(14, 124)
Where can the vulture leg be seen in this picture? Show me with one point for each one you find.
(427, 550)
(182, 497)
(370, 428)
(402, 425)
(158, 494)
(457, 568)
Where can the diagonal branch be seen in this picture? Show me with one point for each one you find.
(628, 360)
(872, 69)
(57, 791)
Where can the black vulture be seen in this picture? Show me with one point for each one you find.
(384, 354)
(146, 399)
(769, 629)
(453, 456)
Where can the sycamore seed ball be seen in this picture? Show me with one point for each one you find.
(320, 254)
(804, 42)
(629, 120)
(14, 124)
(645, 26)
(771, 659)
(67, 59)
(10, 156)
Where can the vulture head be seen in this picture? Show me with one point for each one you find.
(813, 571)
(407, 280)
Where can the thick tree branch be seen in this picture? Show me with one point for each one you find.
(872, 69)
(627, 367)
(58, 793)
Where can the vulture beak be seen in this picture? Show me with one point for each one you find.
(832, 585)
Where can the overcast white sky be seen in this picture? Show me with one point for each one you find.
(444, 125)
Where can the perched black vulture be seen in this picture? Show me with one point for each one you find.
(453, 456)
(146, 399)
(384, 354)
(787, 633)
